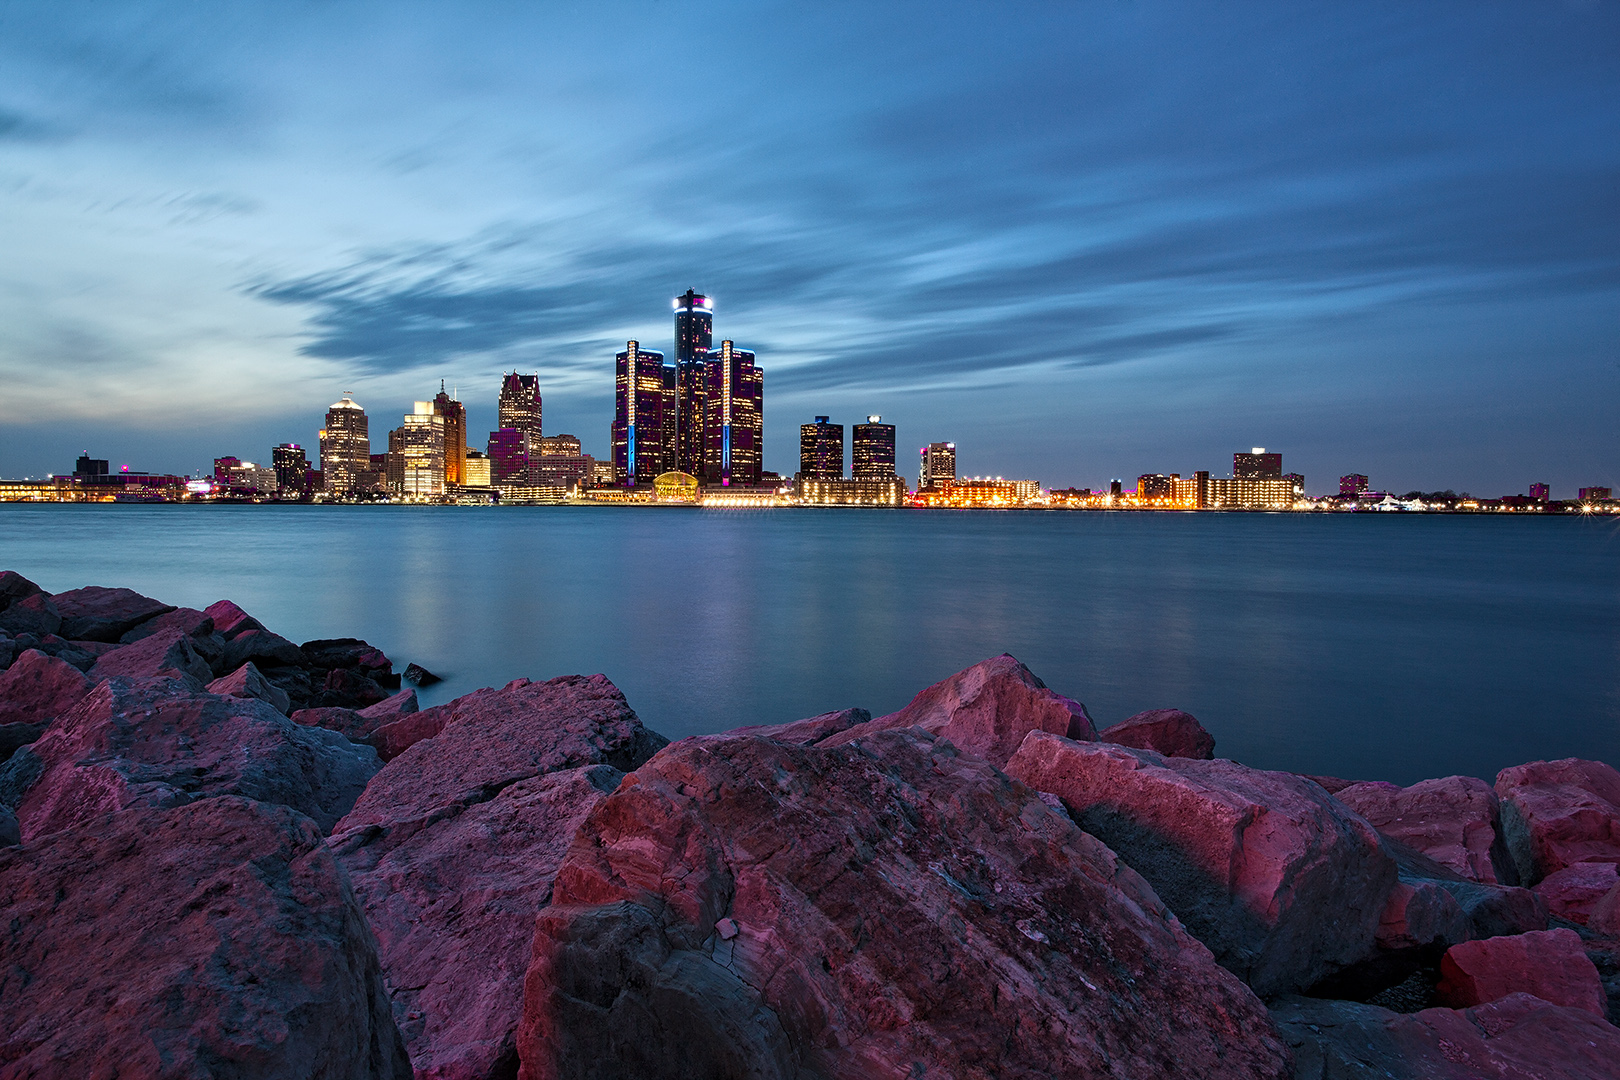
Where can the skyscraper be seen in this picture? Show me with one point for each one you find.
(1257, 465)
(821, 450)
(345, 447)
(638, 415)
(291, 465)
(734, 428)
(668, 447)
(422, 446)
(938, 464)
(872, 453)
(694, 336)
(520, 405)
(508, 456)
(455, 433)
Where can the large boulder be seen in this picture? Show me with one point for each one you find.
(260, 646)
(10, 833)
(230, 620)
(1572, 893)
(1454, 820)
(1558, 813)
(806, 732)
(36, 689)
(1170, 732)
(154, 742)
(1282, 882)
(360, 724)
(14, 587)
(216, 939)
(1551, 964)
(167, 653)
(888, 907)
(94, 613)
(197, 624)
(391, 708)
(247, 682)
(452, 894)
(33, 614)
(1491, 910)
(1517, 1038)
(985, 710)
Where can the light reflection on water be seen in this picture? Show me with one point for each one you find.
(1363, 646)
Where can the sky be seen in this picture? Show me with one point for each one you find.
(1082, 240)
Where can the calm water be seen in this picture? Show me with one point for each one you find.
(1369, 646)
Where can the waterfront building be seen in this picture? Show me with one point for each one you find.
(938, 465)
(872, 451)
(694, 339)
(821, 450)
(602, 474)
(345, 447)
(509, 456)
(89, 466)
(563, 470)
(1156, 489)
(1252, 493)
(375, 478)
(856, 491)
(520, 406)
(292, 467)
(477, 470)
(422, 452)
(223, 467)
(676, 487)
(734, 426)
(1596, 494)
(556, 446)
(1352, 486)
(638, 415)
(980, 493)
(1540, 492)
(1256, 465)
(454, 414)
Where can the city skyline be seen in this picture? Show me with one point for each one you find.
(1385, 239)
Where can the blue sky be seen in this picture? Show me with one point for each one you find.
(1082, 240)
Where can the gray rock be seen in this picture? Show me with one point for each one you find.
(167, 652)
(246, 682)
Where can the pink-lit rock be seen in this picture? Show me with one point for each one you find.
(36, 689)
(247, 682)
(1558, 813)
(33, 614)
(1170, 732)
(230, 620)
(1572, 892)
(900, 909)
(986, 709)
(216, 939)
(806, 732)
(1283, 882)
(14, 587)
(189, 621)
(1454, 820)
(392, 708)
(94, 613)
(1551, 964)
(163, 654)
(1604, 918)
(1420, 913)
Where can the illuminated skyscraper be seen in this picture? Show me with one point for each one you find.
(423, 449)
(455, 433)
(638, 415)
(938, 464)
(345, 447)
(669, 449)
(291, 465)
(520, 405)
(821, 450)
(1257, 465)
(872, 453)
(734, 431)
(694, 335)
(508, 456)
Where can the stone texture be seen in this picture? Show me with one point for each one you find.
(190, 621)
(1492, 910)
(806, 732)
(1454, 820)
(1551, 964)
(452, 894)
(230, 620)
(1558, 813)
(335, 718)
(14, 587)
(247, 682)
(985, 710)
(1282, 882)
(9, 832)
(391, 708)
(165, 653)
(1604, 918)
(260, 646)
(31, 615)
(94, 613)
(1519, 1037)
(13, 737)
(36, 689)
(1170, 732)
(154, 742)
(899, 909)
(346, 653)
(212, 940)
(1572, 893)
(1422, 913)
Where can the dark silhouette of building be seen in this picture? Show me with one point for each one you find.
(1540, 492)
(694, 338)
(454, 414)
(520, 406)
(345, 447)
(1596, 494)
(1352, 485)
(734, 426)
(938, 465)
(89, 466)
(872, 452)
(1257, 465)
(508, 451)
(638, 416)
(821, 450)
(292, 467)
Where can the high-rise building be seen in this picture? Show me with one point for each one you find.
(345, 447)
(1352, 485)
(291, 465)
(872, 453)
(1156, 489)
(454, 414)
(556, 446)
(821, 450)
(1540, 492)
(694, 337)
(734, 429)
(668, 445)
(520, 406)
(638, 415)
(394, 462)
(478, 474)
(508, 456)
(938, 465)
(422, 449)
(1257, 465)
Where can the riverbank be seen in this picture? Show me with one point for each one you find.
(528, 880)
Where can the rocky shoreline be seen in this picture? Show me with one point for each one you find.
(226, 854)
